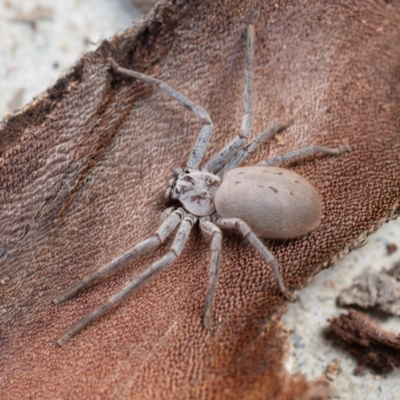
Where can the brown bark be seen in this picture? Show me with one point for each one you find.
(84, 169)
(372, 345)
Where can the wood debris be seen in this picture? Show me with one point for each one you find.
(378, 290)
(367, 341)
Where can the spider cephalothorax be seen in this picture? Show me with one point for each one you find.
(258, 201)
(195, 191)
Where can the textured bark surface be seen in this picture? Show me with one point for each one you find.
(84, 170)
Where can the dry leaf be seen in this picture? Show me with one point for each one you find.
(84, 169)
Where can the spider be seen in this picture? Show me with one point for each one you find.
(260, 201)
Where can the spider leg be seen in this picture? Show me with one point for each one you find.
(200, 146)
(174, 251)
(305, 151)
(216, 234)
(238, 142)
(253, 145)
(165, 229)
(232, 223)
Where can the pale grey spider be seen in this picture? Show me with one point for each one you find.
(260, 201)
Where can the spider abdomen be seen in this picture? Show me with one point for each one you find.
(276, 203)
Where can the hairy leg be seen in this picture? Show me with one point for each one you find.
(237, 223)
(174, 251)
(238, 142)
(305, 151)
(200, 146)
(216, 243)
(165, 229)
(238, 159)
